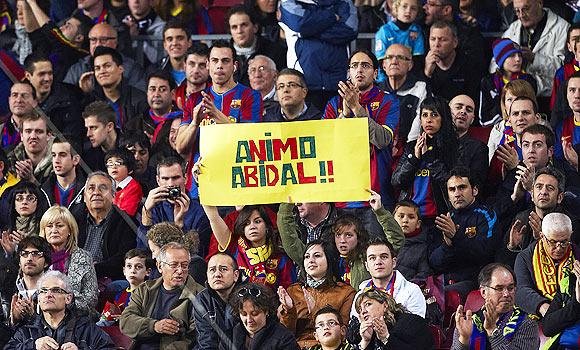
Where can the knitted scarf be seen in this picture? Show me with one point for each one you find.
(390, 290)
(509, 322)
(499, 81)
(59, 260)
(159, 121)
(28, 225)
(546, 273)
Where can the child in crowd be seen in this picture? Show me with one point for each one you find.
(508, 56)
(330, 330)
(401, 30)
(137, 269)
(120, 164)
(412, 260)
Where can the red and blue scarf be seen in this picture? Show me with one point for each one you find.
(159, 121)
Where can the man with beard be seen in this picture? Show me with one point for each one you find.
(211, 309)
(499, 324)
(360, 98)
(472, 152)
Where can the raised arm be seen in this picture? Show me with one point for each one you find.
(222, 233)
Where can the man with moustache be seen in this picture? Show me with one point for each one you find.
(499, 324)
(211, 309)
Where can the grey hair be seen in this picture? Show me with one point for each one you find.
(556, 222)
(105, 175)
(271, 63)
(171, 245)
(59, 275)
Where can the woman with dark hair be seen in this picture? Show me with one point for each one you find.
(259, 329)
(28, 205)
(257, 248)
(265, 15)
(424, 167)
(386, 325)
(319, 286)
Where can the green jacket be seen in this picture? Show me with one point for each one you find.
(295, 247)
(136, 321)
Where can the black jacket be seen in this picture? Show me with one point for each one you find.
(265, 47)
(79, 330)
(460, 78)
(50, 183)
(62, 107)
(473, 154)
(274, 336)
(118, 239)
(410, 332)
(209, 308)
(133, 100)
(274, 114)
(564, 312)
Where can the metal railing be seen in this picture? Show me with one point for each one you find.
(208, 38)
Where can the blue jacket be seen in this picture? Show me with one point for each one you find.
(472, 246)
(317, 34)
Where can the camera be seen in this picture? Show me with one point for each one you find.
(173, 192)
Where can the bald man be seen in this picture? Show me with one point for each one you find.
(472, 152)
(397, 63)
(104, 34)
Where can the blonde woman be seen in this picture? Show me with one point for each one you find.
(60, 229)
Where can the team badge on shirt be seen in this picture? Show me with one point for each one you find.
(413, 35)
(236, 104)
(470, 232)
(375, 105)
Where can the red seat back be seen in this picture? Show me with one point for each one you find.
(474, 301)
(120, 340)
(480, 132)
(452, 301)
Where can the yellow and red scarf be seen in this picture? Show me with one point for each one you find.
(546, 273)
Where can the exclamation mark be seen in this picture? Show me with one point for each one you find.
(330, 170)
(322, 171)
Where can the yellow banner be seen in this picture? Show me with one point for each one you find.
(309, 161)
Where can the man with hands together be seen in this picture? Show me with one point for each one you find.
(499, 324)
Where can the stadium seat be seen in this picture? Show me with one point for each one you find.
(474, 301)
(452, 301)
(120, 340)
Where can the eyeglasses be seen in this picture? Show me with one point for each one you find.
(53, 290)
(328, 324)
(398, 57)
(522, 11)
(29, 198)
(115, 164)
(255, 70)
(102, 40)
(34, 253)
(252, 291)
(290, 85)
(363, 65)
(557, 244)
(501, 289)
(176, 265)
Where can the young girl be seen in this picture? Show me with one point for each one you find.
(401, 30)
(509, 58)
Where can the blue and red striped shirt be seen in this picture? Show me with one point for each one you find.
(240, 104)
(566, 128)
(383, 108)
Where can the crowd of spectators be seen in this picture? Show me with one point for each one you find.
(473, 111)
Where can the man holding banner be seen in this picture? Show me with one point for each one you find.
(360, 98)
(224, 102)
